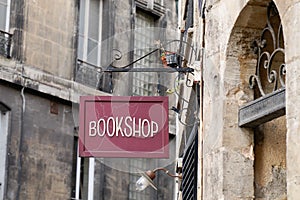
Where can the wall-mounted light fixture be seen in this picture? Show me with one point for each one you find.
(148, 177)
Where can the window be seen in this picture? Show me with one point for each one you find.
(3, 147)
(4, 15)
(144, 39)
(90, 20)
(189, 14)
(5, 37)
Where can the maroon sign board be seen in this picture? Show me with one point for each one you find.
(118, 126)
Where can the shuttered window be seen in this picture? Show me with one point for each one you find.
(189, 14)
(189, 168)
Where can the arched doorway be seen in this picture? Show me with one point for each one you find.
(256, 51)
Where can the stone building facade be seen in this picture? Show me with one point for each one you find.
(236, 153)
(43, 72)
(248, 139)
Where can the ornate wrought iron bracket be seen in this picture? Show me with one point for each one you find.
(170, 70)
(173, 61)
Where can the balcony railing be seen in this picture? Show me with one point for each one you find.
(88, 74)
(5, 43)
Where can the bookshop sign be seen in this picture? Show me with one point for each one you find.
(118, 126)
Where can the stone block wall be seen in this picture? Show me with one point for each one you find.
(50, 36)
(40, 147)
(270, 160)
(229, 163)
(291, 22)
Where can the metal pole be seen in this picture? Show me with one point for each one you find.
(77, 187)
(91, 179)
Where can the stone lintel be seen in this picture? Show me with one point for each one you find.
(262, 110)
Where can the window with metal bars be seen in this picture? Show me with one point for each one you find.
(143, 83)
(189, 167)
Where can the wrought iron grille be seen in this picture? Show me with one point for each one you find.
(5, 43)
(189, 168)
(88, 74)
(270, 67)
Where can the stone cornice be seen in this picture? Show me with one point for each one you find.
(44, 82)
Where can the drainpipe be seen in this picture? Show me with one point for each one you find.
(201, 90)
(20, 157)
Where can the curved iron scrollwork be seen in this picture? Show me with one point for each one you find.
(270, 67)
(117, 55)
(173, 63)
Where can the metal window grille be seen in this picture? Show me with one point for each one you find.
(5, 43)
(270, 67)
(88, 74)
(144, 39)
(268, 82)
(189, 168)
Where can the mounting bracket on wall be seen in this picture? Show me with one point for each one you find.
(171, 61)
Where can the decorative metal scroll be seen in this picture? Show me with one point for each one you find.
(5, 43)
(172, 62)
(102, 78)
(270, 67)
(171, 59)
